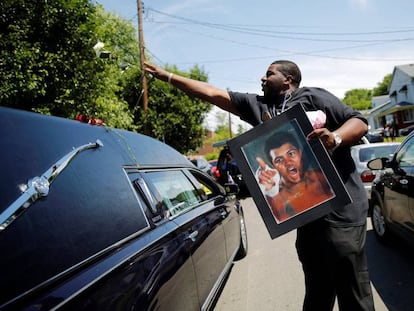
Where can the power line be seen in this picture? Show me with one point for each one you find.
(254, 30)
(316, 53)
(243, 27)
(284, 34)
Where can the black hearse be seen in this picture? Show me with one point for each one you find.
(96, 218)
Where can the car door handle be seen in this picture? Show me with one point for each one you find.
(192, 236)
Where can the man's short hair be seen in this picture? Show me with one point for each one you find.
(277, 140)
(289, 68)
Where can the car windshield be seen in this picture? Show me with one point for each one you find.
(372, 152)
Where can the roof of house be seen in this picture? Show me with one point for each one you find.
(408, 69)
(379, 100)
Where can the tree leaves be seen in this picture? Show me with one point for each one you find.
(359, 99)
(48, 65)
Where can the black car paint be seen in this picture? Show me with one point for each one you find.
(392, 195)
(97, 241)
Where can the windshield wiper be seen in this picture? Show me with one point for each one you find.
(38, 187)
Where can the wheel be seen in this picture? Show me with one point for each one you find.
(378, 223)
(242, 252)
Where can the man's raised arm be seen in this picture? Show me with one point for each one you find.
(199, 89)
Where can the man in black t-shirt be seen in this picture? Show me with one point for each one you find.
(332, 248)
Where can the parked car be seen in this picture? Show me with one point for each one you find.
(96, 218)
(392, 193)
(378, 130)
(406, 130)
(374, 137)
(202, 164)
(362, 154)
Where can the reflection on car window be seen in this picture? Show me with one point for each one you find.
(206, 190)
(177, 192)
(406, 155)
(366, 154)
(204, 187)
(374, 152)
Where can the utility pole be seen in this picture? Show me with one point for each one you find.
(230, 132)
(142, 52)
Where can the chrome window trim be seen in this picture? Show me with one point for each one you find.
(137, 199)
(73, 268)
(108, 271)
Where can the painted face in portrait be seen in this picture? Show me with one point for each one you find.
(287, 159)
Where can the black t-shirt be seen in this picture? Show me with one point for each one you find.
(252, 107)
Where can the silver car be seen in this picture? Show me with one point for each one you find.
(366, 152)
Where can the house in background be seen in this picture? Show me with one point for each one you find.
(397, 108)
(375, 115)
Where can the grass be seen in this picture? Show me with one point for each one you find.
(397, 139)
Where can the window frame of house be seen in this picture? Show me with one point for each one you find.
(408, 115)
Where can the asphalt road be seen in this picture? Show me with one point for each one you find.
(270, 277)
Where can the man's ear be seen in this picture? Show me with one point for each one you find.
(289, 78)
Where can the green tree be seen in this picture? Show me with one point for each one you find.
(172, 116)
(359, 99)
(49, 65)
(240, 129)
(222, 131)
(120, 44)
(45, 48)
(382, 87)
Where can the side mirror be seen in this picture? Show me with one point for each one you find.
(378, 164)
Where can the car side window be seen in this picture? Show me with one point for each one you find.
(405, 156)
(205, 186)
(175, 190)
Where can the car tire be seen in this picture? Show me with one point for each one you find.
(242, 252)
(379, 224)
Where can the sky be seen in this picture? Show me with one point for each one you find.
(339, 45)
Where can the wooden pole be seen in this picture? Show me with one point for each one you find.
(230, 132)
(142, 56)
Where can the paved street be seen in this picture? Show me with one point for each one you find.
(270, 277)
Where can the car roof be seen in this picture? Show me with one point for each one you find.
(220, 143)
(357, 152)
(374, 145)
(32, 143)
(54, 132)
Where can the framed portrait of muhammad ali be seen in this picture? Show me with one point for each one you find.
(291, 179)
